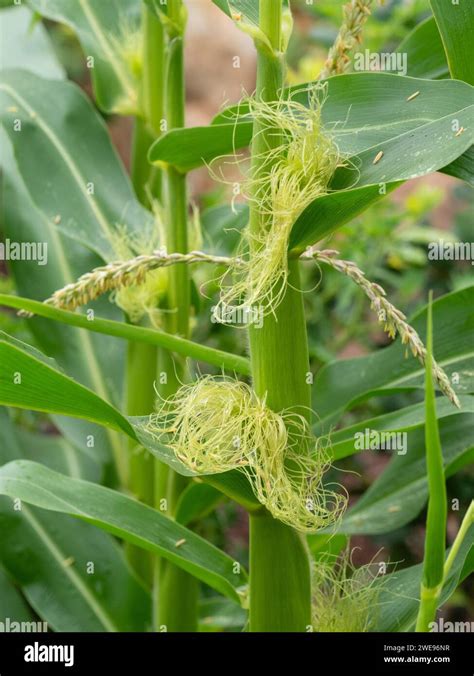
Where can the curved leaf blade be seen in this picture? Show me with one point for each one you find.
(125, 518)
(456, 26)
(49, 556)
(426, 57)
(93, 199)
(344, 441)
(30, 380)
(330, 212)
(380, 116)
(27, 46)
(103, 29)
(41, 387)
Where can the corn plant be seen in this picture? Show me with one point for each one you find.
(118, 426)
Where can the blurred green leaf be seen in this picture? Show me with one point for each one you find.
(456, 25)
(12, 603)
(109, 35)
(92, 200)
(424, 51)
(195, 502)
(27, 45)
(74, 576)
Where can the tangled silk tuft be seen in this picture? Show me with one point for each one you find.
(345, 598)
(218, 424)
(292, 173)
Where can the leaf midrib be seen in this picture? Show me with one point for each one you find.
(65, 156)
(116, 64)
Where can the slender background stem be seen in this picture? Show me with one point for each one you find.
(177, 592)
(141, 358)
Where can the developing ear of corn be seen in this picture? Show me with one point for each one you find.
(142, 299)
(216, 425)
(292, 175)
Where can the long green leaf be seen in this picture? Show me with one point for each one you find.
(30, 380)
(456, 25)
(343, 442)
(376, 118)
(435, 538)
(74, 576)
(94, 361)
(108, 32)
(12, 603)
(177, 148)
(424, 51)
(92, 200)
(125, 518)
(27, 46)
(50, 556)
(330, 212)
(426, 58)
(182, 346)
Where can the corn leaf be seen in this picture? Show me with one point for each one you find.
(29, 380)
(435, 538)
(456, 25)
(343, 442)
(127, 519)
(177, 148)
(74, 576)
(424, 51)
(12, 603)
(376, 118)
(108, 32)
(93, 200)
(27, 46)
(195, 502)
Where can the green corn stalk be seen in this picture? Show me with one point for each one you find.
(176, 593)
(142, 359)
(280, 590)
(433, 564)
